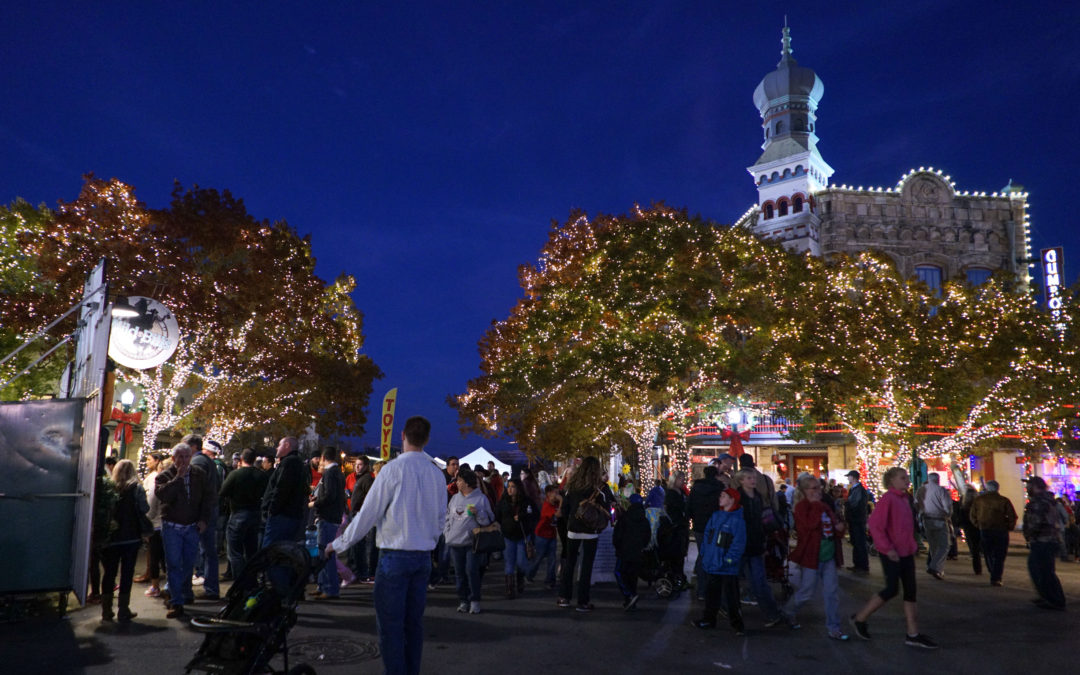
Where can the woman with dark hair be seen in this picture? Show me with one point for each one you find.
(468, 509)
(516, 515)
(586, 483)
(533, 491)
(122, 546)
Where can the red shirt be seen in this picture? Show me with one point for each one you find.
(546, 527)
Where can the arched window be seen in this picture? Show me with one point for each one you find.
(929, 275)
(779, 127)
(796, 204)
(787, 173)
(976, 276)
(768, 209)
(782, 204)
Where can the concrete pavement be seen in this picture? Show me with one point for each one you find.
(980, 629)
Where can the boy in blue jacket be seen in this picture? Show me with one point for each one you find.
(721, 553)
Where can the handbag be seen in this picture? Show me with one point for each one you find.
(593, 515)
(488, 539)
(530, 547)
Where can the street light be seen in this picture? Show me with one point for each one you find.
(123, 308)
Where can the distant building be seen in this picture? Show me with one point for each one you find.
(923, 223)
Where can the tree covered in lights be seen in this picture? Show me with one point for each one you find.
(265, 343)
(622, 320)
(904, 369)
(20, 274)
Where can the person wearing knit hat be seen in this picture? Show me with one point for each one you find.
(721, 558)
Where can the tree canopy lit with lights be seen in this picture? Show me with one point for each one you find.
(265, 343)
(622, 321)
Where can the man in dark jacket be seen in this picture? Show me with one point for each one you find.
(704, 500)
(329, 504)
(630, 538)
(185, 501)
(285, 502)
(244, 488)
(1042, 530)
(856, 509)
(208, 549)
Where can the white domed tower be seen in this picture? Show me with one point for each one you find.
(790, 171)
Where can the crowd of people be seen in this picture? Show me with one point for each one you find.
(405, 527)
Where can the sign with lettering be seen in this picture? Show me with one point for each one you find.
(1053, 260)
(388, 403)
(147, 340)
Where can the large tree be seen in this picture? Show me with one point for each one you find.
(265, 341)
(622, 320)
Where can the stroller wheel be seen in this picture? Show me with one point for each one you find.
(664, 588)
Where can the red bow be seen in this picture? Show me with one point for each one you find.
(124, 423)
(735, 439)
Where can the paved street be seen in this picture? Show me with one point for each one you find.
(981, 629)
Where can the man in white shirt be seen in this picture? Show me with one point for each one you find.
(407, 506)
(936, 508)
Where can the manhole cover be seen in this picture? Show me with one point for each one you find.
(318, 650)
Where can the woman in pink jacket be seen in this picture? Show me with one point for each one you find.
(892, 526)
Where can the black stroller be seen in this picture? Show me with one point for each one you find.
(260, 608)
(658, 566)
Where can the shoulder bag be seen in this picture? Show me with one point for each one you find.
(488, 539)
(592, 514)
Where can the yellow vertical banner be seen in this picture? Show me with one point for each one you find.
(387, 423)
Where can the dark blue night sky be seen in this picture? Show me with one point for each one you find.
(427, 146)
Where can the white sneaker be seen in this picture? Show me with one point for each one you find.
(463, 607)
(197, 581)
(474, 607)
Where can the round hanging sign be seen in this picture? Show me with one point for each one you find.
(147, 340)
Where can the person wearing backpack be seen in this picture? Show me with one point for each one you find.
(583, 526)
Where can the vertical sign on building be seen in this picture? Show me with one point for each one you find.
(1053, 266)
(388, 404)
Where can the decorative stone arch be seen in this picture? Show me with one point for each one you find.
(799, 170)
(798, 200)
(947, 264)
(925, 188)
(864, 233)
(774, 177)
(786, 174)
(767, 210)
(782, 207)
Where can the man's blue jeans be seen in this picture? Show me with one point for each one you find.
(400, 595)
(995, 546)
(329, 583)
(759, 586)
(243, 538)
(466, 572)
(208, 557)
(282, 528)
(181, 548)
(1041, 568)
(545, 548)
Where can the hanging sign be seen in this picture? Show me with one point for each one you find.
(147, 340)
(388, 404)
(1053, 266)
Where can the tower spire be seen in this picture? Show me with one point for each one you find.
(785, 41)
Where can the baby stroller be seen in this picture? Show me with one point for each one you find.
(657, 565)
(260, 608)
(776, 560)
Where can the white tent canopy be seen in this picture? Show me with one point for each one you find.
(482, 457)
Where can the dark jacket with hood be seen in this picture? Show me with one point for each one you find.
(704, 500)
